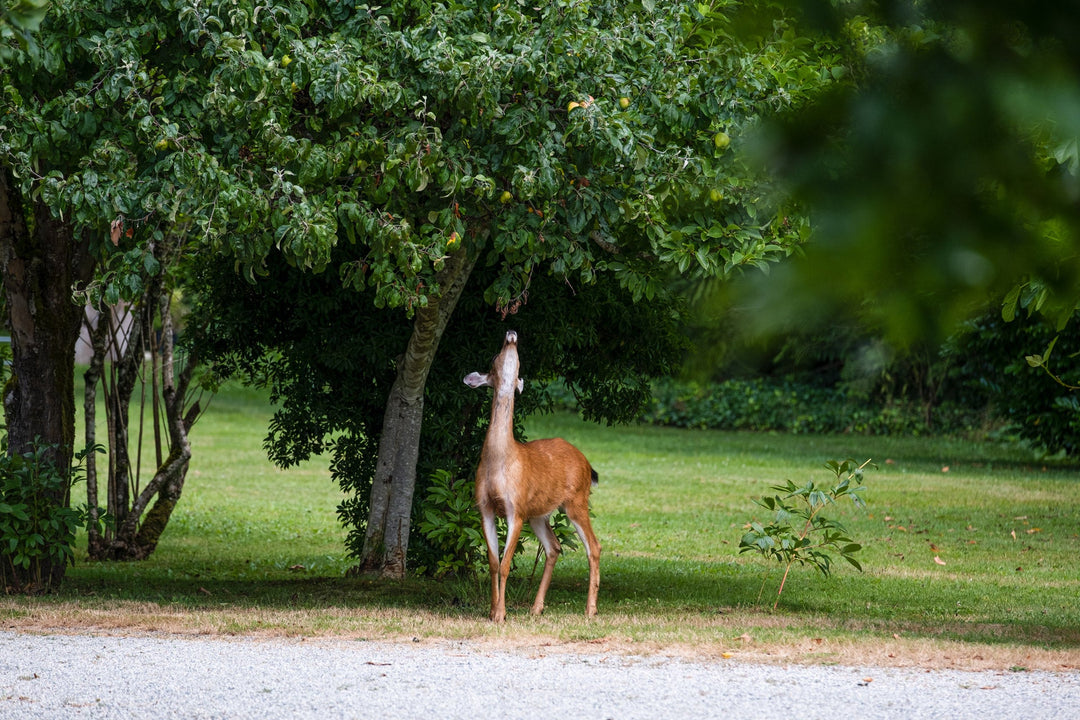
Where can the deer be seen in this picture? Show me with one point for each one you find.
(529, 481)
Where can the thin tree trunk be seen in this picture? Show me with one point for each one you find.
(40, 266)
(143, 512)
(99, 340)
(129, 353)
(386, 542)
(139, 540)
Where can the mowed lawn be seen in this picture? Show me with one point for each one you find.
(970, 549)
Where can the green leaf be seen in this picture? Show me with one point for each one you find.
(1008, 306)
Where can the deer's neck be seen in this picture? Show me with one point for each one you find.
(500, 435)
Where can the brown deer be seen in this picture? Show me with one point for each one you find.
(528, 481)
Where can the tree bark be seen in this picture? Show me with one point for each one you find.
(386, 541)
(98, 335)
(137, 540)
(40, 265)
(138, 524)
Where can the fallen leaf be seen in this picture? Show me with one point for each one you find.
(745, 637)
(725, 655)
(1013, 533)
(1032, 531)
(945, 469)
(938, 560)
(933, 547)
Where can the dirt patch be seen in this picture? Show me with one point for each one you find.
(758, 638)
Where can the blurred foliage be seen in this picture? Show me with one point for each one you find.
(944, 171)
(19, 20)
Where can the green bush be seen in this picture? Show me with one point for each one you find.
(763, 404)
(452, 529)
(991, 359)
(37, 525)
(452, 526)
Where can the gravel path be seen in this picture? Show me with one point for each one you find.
(130, 678)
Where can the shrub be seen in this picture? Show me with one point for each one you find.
(799, 532)
(452, 529)
(1038, 402)
(763, 404)
(37, 525)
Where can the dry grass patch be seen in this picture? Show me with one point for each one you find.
(746, 636)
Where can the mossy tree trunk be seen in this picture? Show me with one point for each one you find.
(386, 542)
(41, 262)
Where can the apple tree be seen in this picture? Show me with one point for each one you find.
(446, 145)
(114, 166)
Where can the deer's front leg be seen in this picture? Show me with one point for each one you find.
(491, 536)
(513, 532)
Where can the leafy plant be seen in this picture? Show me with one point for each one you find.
(451, 525)
(799, 533)
(995, 357)
(37, 533)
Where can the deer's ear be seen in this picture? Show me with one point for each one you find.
(520, 386)
(475, 380)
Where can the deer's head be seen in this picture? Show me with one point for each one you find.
(503, 375)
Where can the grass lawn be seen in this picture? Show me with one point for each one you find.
(970, 555)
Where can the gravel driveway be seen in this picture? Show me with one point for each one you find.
(57, 677)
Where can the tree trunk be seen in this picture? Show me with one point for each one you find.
(99, 342)
(40, 266)
(136, 540)
(138, 525)
(386, 542)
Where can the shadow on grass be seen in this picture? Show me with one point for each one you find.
(666, 594)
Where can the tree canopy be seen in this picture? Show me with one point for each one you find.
(393, 148)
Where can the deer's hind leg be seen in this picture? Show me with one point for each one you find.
(579, 517)
(552, 548)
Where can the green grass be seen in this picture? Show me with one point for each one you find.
(254, 548)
